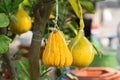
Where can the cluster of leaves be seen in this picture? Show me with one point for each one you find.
(22, 67)
(89, 5)
(7, 9)
(4, 40)
(67, 19)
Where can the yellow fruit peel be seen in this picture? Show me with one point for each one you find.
(82, 51)
(56, 52)
(23, 22)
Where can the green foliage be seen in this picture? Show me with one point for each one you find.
(92, 0)
(24, 65)
(44, 70)
(99, 52)
(9, 7)
(22, 68)
(19, 53)
(4, 43)
(67, 19)
(88, 6)
(4, 21)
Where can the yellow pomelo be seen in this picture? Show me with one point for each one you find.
(23, 22)
(82, 51)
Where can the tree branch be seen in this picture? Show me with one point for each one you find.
(7, 60)
(10, 66)
(41, 12)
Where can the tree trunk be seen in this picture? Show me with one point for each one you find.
(41, 12)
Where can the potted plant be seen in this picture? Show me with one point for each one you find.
(18, 17)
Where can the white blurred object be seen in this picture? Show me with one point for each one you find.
(95, 27)
(95, 30)
(25, 39)
(13, 47)
(107, 15)
(105, 42)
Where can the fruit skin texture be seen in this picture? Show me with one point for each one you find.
(23, 22)
(56, 52)
(82, 51)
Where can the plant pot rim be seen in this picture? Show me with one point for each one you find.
(99, 73)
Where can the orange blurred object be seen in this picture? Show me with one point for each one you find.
(96, 73)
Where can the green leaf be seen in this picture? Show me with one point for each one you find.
(22, 76)
(15, 4)
(76, 8)
(7, 2)
(44, 73)
(7, 5)
(24, 65)
(4, 43)
(2, 8)
(20, 72)
(88, 6)
(96, 0)
(71, 27)
(13, 18)
(17, 66)
(43, 68)
(18, 1)
(99, 52)
(46, 77)
(19, 53)
(4, 21)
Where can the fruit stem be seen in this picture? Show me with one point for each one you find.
(41, 12)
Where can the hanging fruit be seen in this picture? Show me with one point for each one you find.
(82, 51)
(56, 52)
(23, 22)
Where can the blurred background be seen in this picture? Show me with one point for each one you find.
(105, 33)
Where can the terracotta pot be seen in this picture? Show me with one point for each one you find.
(96, 73)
